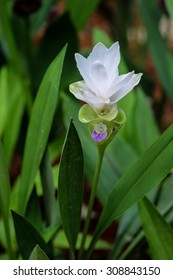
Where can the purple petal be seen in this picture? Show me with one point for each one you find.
(99, 137)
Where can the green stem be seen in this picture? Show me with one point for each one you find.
(6, 222)
(92, 245)
(8, 238)
(132, 245)
(5, 193)
(92, 197)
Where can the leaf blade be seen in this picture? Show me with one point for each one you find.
(70, 185)
(145, 174)
(169, 6)
(27, 236)
(4, 184)
(5, 193)
(158, 233)
(39, 127)
(158, 47)
(38, 254)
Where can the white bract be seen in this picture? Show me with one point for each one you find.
(102, 86)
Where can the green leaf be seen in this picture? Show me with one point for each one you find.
(80, 11)
(70, 185)
(158, 46)
(4, 184)
(169, 6)
(5, 197)
(3, 98)
(144, 175)
(166, 193)
(12, 104)
(16, 95)
(8, 39)
(165, 205)
(12, 128)
(60, 241)
(49, 233)
(34, 211)
(39, 127)
(50, 203)
(140, 121)
(28, 237)
(38, 254)
(158, 233)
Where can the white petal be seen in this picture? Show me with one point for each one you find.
(102, 86)
(100, 78)
(118, 83)
(98, 53)
(85, 71)
(127, 86)
(94, 74)
(112, 61)
(81, 91)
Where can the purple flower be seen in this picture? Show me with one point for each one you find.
(99, 132)
(99, 137)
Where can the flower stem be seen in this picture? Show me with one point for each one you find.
(92, 197)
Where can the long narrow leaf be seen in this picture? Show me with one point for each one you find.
(70, 185)
(39, 127)
(5, 197)
(16, 94)
(158, 233)
(169, 6)
(50, 204)
(158, 47)
(28, 237)
(3, 98)
(8, 36)
(145, 174)
(4, 184)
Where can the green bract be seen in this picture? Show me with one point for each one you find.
(112, 127)
(88, 114)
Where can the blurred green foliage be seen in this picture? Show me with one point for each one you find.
(35, 112)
